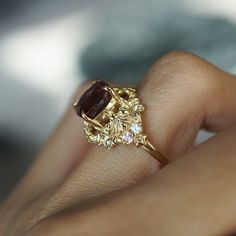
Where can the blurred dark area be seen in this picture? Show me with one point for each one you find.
(48, 47)
(40, 11)
(210, 38)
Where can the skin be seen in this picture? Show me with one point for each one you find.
(74, 188)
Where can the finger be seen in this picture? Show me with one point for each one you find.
(65, 148)
(193, 196)
(182, 93)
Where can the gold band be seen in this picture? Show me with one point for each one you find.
(155, 153)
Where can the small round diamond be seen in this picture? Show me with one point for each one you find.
(128, 138)
(136, 128)
(108, 143)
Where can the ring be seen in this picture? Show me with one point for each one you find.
(112, 116)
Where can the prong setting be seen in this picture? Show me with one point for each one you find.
(119, 123)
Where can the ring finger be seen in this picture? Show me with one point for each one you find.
(179, 94)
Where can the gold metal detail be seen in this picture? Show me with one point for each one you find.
(120, 123)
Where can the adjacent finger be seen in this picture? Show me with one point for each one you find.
(193, 196)
(62, 153)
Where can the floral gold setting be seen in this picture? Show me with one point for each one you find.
(112, 116)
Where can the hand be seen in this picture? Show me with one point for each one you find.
(65, 190)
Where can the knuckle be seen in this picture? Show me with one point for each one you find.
(179, 67)
(178, 61)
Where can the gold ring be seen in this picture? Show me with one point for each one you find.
(112, 116)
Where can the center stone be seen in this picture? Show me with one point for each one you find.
(94, 100)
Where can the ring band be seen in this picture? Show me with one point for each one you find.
(112, 116)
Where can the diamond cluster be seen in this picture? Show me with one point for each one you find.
(128, 137)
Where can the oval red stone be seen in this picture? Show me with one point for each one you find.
(94, 100)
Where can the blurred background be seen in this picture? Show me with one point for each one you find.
(48, 47)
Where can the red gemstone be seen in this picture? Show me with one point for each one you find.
(94, 100)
